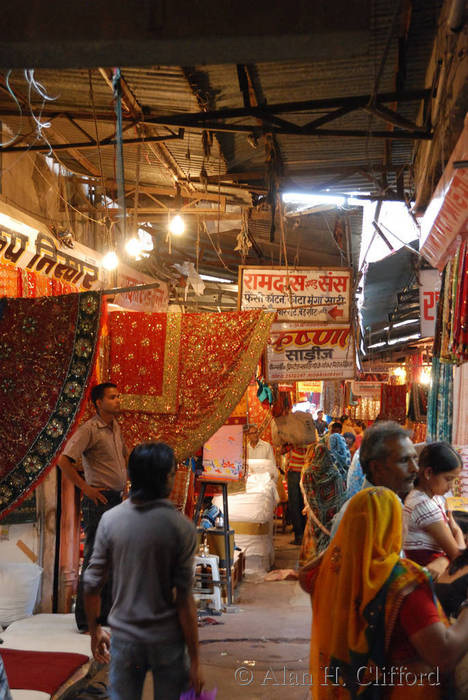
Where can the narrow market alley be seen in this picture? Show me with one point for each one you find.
(262, 649)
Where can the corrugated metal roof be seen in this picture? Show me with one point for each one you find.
(309, 162)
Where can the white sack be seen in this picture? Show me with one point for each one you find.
(296, 428)
(19, 584)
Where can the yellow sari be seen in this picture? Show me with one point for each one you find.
(358, 587)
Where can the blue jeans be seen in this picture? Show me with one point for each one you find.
(130, 660)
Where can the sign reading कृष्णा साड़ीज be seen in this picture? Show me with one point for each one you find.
(297, 353)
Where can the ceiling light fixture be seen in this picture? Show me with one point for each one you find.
(133, 247)
(110, 260)
(177, 225)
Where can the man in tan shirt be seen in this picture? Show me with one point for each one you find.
(100, 446)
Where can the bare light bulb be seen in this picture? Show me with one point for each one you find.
(110, 261)
(133, 247)
(177, 225)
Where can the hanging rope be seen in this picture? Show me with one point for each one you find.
(116, 84)
(137, 188)
(283, 244)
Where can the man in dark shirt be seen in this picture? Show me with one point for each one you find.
(148, 546)
(320, 424)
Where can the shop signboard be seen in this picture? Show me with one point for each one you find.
(304, 352)
(37, 251)
(429, 291)
(309, 387)
(28, 248)
(155, 300)
(366, 390)
(445, 221)
(314, 294)
(223, 454)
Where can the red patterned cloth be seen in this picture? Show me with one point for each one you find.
(393, 402)
(460, 311)
(184, 396)
(41, 671)
(47, 351)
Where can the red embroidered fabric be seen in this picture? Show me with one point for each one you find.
(202, 383)
(47, 350)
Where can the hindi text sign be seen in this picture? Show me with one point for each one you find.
(297, 353)
(428, 298)
(314, 294)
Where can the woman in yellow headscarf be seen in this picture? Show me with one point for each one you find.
(377, 628)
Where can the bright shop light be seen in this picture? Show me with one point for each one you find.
(110, 261)
(177, 225)
(133, 247)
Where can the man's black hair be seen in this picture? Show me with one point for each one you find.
(375, 440)
(149, 465)
(98, 391)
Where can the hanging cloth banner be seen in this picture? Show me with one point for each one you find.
(181, 376)
(393, 402)
(47, 354)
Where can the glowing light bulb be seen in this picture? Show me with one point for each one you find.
(425, 377)
(110, 261)
(133, 247)
(177, 225)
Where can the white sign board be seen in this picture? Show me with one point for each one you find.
(314, 294)
(366, 390)
(297, 353)
(429, 291)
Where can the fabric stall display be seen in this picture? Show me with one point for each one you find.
(367, 409)
(10, 281)
(333, 398)
(393, 402)
(181, 376)
(251, 517)
(460, 404)
(259, 413)
(419, 431)
(183, 486)
(463, 479)
(440, 402)
(17, 282)
(458, 305)
(47, 354)
(417, 409)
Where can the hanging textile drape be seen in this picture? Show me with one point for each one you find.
(393, 402)
(460, 405)
(47, 350)
(18, 282)
(460, 308)
(440, 402)
(181, 376)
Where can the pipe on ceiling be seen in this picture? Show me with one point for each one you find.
(456, 19)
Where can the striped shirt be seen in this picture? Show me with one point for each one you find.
(297, 459)
(421, 510)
